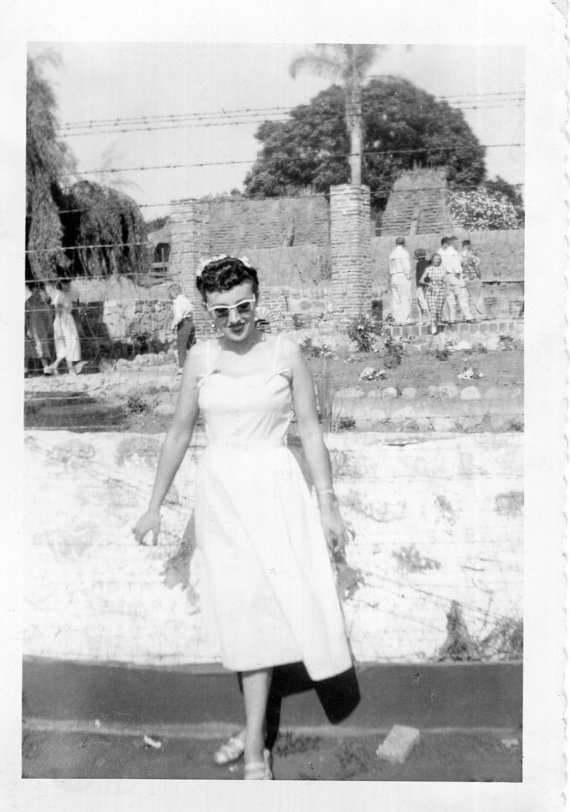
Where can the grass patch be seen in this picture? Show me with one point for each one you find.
(289, 743)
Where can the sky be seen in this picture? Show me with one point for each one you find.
(108, 81)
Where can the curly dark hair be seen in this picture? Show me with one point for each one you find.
(224, 274)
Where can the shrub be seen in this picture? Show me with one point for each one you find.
(345, 424)
(138, 405)
(394, 350)
(481, 210)
(364, 330)
(311, 350)
(506, 342)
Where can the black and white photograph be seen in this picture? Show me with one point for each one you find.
(292, 398)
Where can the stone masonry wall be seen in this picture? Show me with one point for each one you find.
(417, 204)
(238, 226)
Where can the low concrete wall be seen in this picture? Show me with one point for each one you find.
(435, 521)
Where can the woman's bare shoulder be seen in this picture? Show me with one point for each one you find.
(201, 355)
(288, 347)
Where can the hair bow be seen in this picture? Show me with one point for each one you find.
(206, 261)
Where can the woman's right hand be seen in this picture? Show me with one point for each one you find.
(149, 522)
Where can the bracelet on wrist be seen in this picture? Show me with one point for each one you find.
(326, 492)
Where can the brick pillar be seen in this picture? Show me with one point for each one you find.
(190, 241)
(351, 260)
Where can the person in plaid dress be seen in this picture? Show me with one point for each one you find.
(434, 279)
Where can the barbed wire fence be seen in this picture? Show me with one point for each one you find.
(448, 587)
(434, 574)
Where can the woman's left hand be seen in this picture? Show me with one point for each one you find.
(337, 532)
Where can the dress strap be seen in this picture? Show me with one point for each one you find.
(276, 350)
(276, 368)
(211, 366)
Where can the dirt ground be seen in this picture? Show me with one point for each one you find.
(501, 368)
(128, 402)
(442, 756)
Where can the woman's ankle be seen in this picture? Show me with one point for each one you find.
(254, 747)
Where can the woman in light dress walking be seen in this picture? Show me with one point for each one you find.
(66, 337)
(270, 596)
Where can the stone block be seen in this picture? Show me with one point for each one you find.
(389, 392)
(443, 424)
(473, 407)
(409, 392)
(398, 744)
(468, 422)
(492, 342)
(402, 413)
(464, 346)
(424, 423)
(447, 390)
(376, 413)
(492, 393)
(470, 393)
(349, 392)
(500, 422)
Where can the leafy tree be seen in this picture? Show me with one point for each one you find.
(47, 162)
(482, 210)
(349, 63)
(63, 220)
(502, 189)
(104, 231)
(403, 127)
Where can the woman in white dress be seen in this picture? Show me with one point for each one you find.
(66, 337)
(270, 592)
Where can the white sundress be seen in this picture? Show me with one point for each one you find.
(270, 588)
(65, 332)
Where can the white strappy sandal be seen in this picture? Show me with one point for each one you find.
(229, 752)
(260, 770)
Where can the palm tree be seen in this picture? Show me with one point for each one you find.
(349, 63)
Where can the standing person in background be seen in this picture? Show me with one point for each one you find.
(401, 283)
(182, 322)
(421, 264)
(38, 321)
(434, 279)
(457, 300)
(67, 347)
(472, 274)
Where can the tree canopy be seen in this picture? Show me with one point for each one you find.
(403, 127)
(64, 220)
(47, 161)
(348, 62)
(105, 231)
